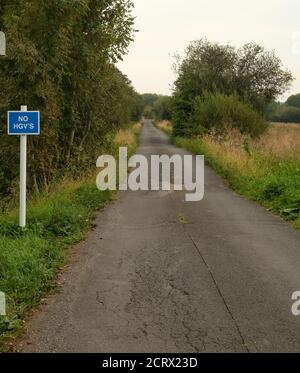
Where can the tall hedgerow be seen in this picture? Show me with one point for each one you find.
(61, 57)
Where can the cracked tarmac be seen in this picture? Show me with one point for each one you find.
(144, 281)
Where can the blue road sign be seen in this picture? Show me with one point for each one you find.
(23, 122)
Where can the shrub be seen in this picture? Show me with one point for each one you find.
(218, 112)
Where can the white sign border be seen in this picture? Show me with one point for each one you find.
(22, 134)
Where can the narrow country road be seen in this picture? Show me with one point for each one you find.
(158, 274)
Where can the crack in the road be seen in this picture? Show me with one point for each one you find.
(172, 320)
(188, 330)
(217, 287)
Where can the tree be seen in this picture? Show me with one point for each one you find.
(272, 111)
(294, 101)
(61, 60)
(260, 77)
(148, 112)
(253, 73)
(137, 106)
(206, 67)
(163, 108)
(149, 99)
(289, 114)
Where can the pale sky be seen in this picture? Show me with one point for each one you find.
(167, 26)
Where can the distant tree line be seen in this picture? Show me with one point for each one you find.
(288, 112)
(60, 60)
(156, 106)
(220, 87)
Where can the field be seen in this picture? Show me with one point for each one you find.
(266, 170)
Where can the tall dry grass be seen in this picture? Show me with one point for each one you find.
(266, 170)
(165, 126)
(254, 157)
(230, 150)
(281, 140)
(128, 135)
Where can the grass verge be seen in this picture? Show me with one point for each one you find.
(266, 170)
(31, 258)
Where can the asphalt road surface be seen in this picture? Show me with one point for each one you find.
(159, 274)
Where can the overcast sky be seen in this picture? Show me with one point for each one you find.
(167, 26)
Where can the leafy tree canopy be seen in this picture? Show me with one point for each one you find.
(251, 72)
(294, 100)
(60, 60)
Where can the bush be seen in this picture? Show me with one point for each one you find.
(218, 112)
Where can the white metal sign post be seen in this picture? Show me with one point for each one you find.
(23, 174)
(23, 123)
(2, 44)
